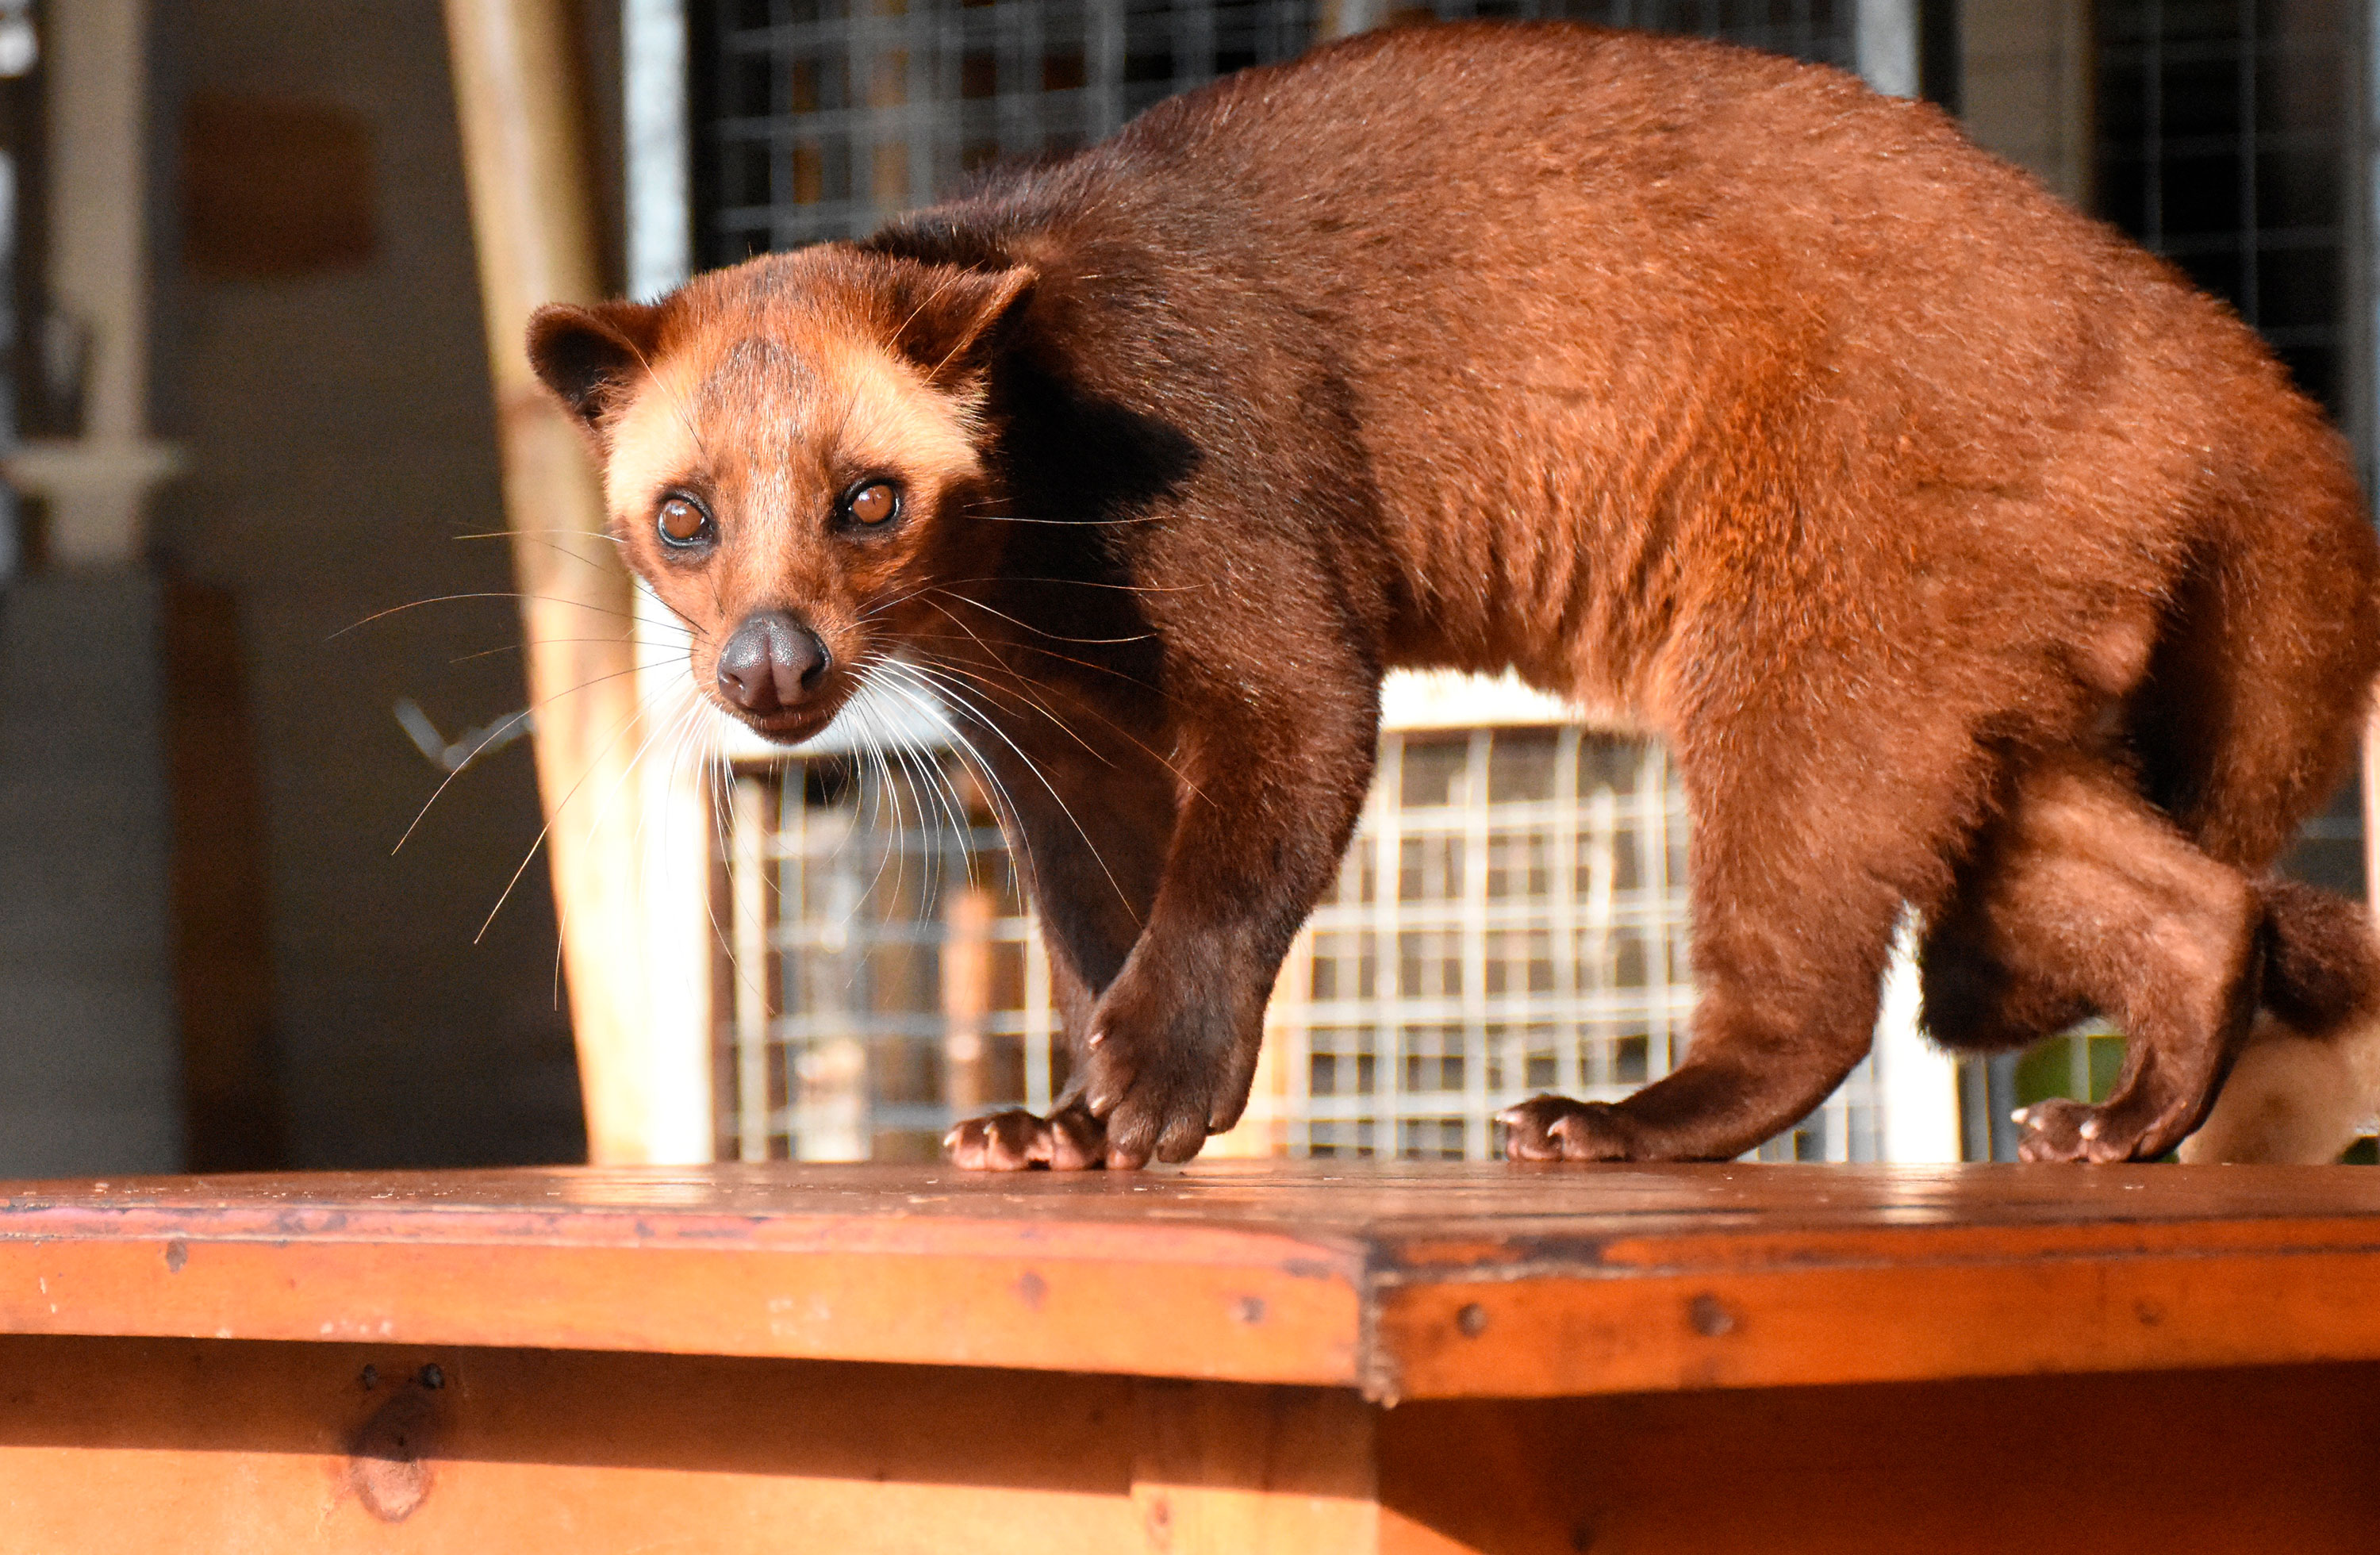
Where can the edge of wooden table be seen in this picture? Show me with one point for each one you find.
(1408, 1283)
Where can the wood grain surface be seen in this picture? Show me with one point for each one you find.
(1787, 1359)
(137, 1446)
(1402, 1281)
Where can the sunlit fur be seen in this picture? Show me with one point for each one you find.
(1968, 559)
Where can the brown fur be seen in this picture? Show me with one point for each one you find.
(1966, 557)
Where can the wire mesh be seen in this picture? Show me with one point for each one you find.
(2223, 136)
(1512, 917)
(2228, 141)
(886, 976)
(822, 117)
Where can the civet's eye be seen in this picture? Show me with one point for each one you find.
(682, 521)
(874, 503)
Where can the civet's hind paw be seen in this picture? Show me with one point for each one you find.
(2059, 1129)
(1069, 1139)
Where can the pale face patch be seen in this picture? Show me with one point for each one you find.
(652, 445)
(773, 433)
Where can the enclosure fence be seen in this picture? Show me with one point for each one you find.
(825, 117)
(1510, 919)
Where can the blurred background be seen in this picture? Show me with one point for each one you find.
(257, 601)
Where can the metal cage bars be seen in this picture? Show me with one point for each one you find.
(828, 116)
(1510, 918)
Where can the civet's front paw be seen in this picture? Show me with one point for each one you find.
(1556, 1128)
(1164, 1067)
(1159, 1105)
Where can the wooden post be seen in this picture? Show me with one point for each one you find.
(518, 91)
(2371, 791)
(1254, 1471)
(967, 915)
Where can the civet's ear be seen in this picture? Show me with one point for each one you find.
(950, 321)
(591, 358)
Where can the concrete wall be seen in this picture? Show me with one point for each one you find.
(87, 1018)
(338, 421)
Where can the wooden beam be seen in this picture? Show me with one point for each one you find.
(1404, 1280)
(112, 1446)
(2369, 787)
(519, 92)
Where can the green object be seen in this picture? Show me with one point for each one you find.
(2081, 1066)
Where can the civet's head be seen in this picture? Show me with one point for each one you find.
(791, 452)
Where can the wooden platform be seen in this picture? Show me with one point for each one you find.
(1238, 1358)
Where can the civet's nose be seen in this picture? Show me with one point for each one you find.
(773, 662)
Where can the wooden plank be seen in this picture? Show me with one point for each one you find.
(222, 886)
(1226, 1470)
(1152, 1317)
(1556, 1337)
(122, 1445)
(1519, 1216)
(133, 1446)
(239, 1447)
(1410, 1281)
(2190, 1463)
